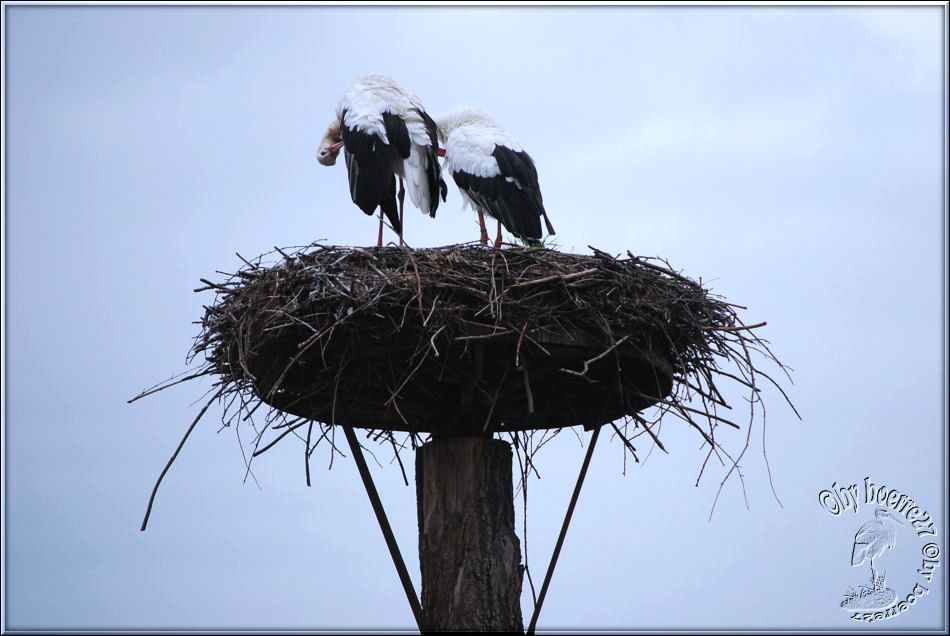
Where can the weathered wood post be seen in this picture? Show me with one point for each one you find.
(469, 553)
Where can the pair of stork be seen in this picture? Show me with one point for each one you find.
(385, 132)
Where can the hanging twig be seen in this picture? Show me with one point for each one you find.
(171, 459)
(169, 384)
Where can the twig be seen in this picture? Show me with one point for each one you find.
(283, 434)
(171, 459)
(527, 388)
(742, 328)
(677, 405)
(306, 453)
(432, 340)
(485, 336)
(201, 373)
(587, 363)
(626, 442)
(547, 279)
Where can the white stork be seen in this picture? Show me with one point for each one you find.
(494, 174)
(873, 538)
(384, 131)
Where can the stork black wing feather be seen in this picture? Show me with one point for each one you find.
(398, 134)
(513, 196)
(388, 205)
(433, 170)
(518, 165)
(369, 165)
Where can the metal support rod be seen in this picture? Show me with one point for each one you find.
(384, 525)
(560, 538)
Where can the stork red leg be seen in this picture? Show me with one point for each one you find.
(498, 238)
(402, 196)
(379, 241)
(483, 237)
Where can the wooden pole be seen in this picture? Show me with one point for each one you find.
(469, 554)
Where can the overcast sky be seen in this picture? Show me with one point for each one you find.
(792, 158)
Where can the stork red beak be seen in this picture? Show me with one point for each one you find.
(335, 148)
(440, 152)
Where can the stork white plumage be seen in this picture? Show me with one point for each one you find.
(494, 174)
(384, 131)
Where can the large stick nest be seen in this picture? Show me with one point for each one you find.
(464, 340)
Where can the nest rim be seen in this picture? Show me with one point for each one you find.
(646, 368)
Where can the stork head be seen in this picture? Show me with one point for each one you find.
(884, 513)
(330, 145)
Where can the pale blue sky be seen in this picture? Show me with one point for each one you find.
(793, 158)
